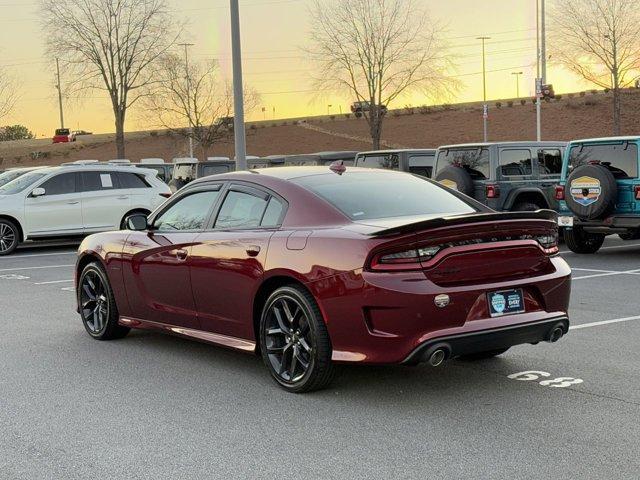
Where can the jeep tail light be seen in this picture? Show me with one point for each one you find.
(403, 259)
(636, 190)
(492, 191)
(559, 192)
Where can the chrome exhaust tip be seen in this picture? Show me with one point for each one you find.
(437, 357)
(556, 334)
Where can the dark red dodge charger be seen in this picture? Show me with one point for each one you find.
(315, 265)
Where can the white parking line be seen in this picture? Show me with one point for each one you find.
(11, 257)
(608, 274)
(53, 281)
(603, 322)
(33, 268)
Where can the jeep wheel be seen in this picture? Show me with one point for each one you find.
(456, 178)
(630, 235)
(580, 241)
(591, 191)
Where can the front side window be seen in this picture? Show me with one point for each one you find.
(474, 160)
(376, 194)
(550, 162)
(62, 184)
(187, 213)
(241, 210)
(515, 163)
(620, 158)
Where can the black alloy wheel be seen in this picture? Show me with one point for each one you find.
(97, 305)
(294, 341)
(8, 237)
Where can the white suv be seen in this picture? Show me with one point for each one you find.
(75, 199)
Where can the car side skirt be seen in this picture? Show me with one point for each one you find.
(200, 335)
(486, 340)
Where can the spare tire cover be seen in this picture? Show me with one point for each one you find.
(591, 191)
(456, 178)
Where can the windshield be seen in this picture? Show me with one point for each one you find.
(396, 195)
(620, 158)
(185, 171)
(6, 177)
(21, 183)
(474, 160)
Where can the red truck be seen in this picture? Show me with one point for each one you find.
(64, 135)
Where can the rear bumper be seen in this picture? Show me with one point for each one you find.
(486, 340)
(610, 224)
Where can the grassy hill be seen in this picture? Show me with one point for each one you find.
(570, 116)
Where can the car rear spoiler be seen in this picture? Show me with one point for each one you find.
(464, 219)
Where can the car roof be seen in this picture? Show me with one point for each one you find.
(607, 139)
(400, 150)
(96, 167)
(510, 144)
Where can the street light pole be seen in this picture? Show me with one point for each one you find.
(542, 62)
(59, 87)
(517, 75)
(238, 100)
(484, 89)
(186, 69)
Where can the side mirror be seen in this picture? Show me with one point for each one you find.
(137, 222)
(38, 192)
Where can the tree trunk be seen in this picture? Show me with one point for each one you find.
(375, 128)
(616, 111)
(120, 115)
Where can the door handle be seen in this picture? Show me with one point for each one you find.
(182, 254)
(73, 203)
(253, 250)
(123, 197)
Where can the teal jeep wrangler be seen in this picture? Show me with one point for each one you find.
(599, 192)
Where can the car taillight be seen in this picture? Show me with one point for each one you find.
(559, 192)
(636, 190)
(165, 195)
(403, 259)
(549, 243)
(493, 191)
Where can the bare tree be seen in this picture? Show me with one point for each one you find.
(110, 45)
(376, 51)
(600, 41)
(8, 95)
(192, 101)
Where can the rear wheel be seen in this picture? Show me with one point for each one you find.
(630, 235)
(97, 304)
(526, 207)
(580, 241)
(294, 341)
(484, 355)
(9, 237)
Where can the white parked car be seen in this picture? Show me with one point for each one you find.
(74, 200)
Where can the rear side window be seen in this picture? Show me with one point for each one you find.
(474, 160)
(390, 161)
(61, 184)
(131, 180)
(379, 194)
(515, 163)
(273, 214)
(422, 165)
(214, 170)
(188, 213)
(620, 158)
(241, 210)
(550, 162)
(96, 181)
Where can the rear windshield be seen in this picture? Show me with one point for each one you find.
(620, 158)
(62, 131)
(474, 160)
(21, 183)
(376, 194)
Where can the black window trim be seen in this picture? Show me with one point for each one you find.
(78, 188)
(540, 163)
(208, 187)
(511, 149)
(251, 189)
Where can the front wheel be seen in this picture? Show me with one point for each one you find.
(9, 237)
(294, 341)
(580, 241)
(97, 304)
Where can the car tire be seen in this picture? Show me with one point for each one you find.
(526, 207)
(630, 235)
(580, 241)
(9, 237)
(292, 334)
(97, 304)
(594, 199)
(483, 355)
(456, 178)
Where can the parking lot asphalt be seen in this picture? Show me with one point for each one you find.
(154, 406)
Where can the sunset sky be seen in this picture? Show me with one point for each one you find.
(272, 33)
